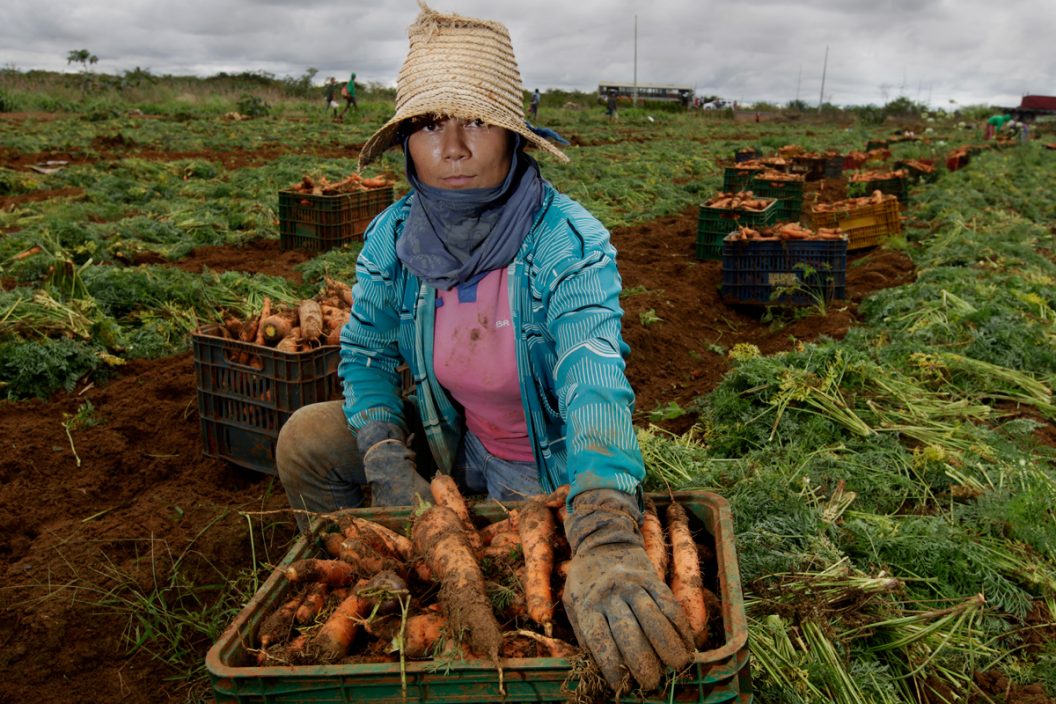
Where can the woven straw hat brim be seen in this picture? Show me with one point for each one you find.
(459, 67)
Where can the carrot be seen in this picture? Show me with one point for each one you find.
(313, 602)
(381, 538)
(420, 636)
(687, 583)
(537, 533)
(35, 249)
(509, 539)
(653, 538)
(265, 312)
(311, 320)
(445, 493)
(273, 328)
(558, 496)
(288, 344)
(488, 532)
(440, 536)
(340, 289)
(552, 647)
(278, 624)
(365, 559)
(335, 636)
(335, 573)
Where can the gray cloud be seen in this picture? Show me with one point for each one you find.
(969, 51)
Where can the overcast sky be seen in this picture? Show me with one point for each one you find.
(930, 51)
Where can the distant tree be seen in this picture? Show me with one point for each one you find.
(82, 57)
(798, 105)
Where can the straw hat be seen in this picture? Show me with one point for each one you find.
(458, 67)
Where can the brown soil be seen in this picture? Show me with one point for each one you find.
(87, 519)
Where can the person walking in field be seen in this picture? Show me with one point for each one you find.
(330, 93)
(348, 92)
(502, 296)
(534, 106)
(610, 104)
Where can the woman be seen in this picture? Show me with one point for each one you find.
(502, 296)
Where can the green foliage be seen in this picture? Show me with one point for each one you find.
(253, 106)
(42, 366)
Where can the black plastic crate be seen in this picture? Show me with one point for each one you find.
(713, 224)
(834, 165)
(745, 154)
(318, 223)
(811, 166)
(246, 392)
(783, 272)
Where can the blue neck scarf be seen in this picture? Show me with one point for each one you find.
(454, 236)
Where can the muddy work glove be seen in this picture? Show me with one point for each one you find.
(389, 466)
(620, 610)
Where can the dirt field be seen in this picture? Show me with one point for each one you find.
(138, 497)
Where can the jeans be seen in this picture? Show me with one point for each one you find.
(321, 466)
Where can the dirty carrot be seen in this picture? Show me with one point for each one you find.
(537, 533)
(421, 634)
(265, 313)
(381, 538)
(440, 537)
(313, 602)
(311, 320)
(336, 635)
(273, 328)
(653, 538)
(445, 493)
(488, 532)
(687, 583)
(276, 627)
(335, 573)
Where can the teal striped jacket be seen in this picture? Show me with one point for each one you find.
(565, 306)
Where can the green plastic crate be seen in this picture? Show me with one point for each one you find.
(789, 195)
(318, 223)
(736, 178)
(718, 675)
(713, 224)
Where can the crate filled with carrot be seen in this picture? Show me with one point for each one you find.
(724, 212)
(868, 220)
(456, 600)
(785, 265)
(252, 374)
(787, 188)
(316, 214)
(866, 181)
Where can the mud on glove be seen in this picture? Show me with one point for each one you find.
(619, 609)
(388, 464)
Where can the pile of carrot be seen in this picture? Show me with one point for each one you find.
(774, 175)
(859, 176)
(785, 231)
(876, 198)
(742, 200)
(447, 587)
(350, 184)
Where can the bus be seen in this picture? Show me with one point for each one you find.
(648, 91)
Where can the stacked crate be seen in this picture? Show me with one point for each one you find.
(786, 188)
(735, 178)
(893, 182)
(715, 222)
(791, 272)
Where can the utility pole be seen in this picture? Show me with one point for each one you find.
(799, 79)
(824, 68)
(634, 100)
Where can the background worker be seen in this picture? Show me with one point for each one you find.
(534, 106)
(610, 104)
(994, 124)
(348, 92)
(330, 93)
(502, 296)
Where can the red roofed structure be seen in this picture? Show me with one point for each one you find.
(1034, 105)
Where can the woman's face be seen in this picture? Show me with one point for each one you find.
(453, 153)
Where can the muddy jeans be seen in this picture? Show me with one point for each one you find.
(321, 466)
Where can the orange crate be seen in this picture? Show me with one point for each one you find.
(866, 225)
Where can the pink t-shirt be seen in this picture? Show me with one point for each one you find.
(475, 360)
